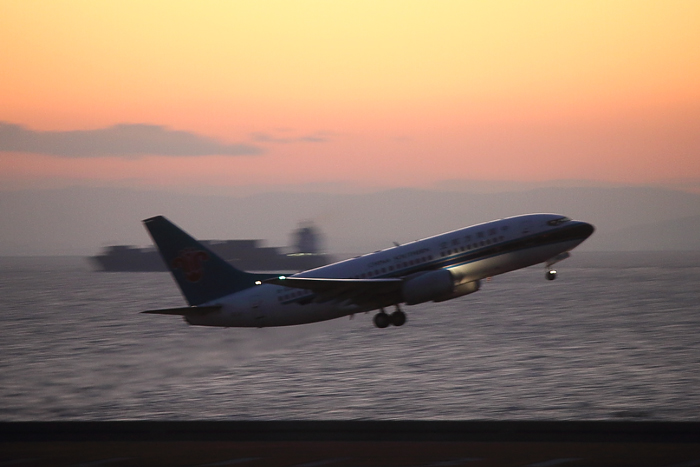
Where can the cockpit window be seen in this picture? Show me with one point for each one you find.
(561, 220)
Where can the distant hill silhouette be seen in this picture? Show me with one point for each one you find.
(82, 220)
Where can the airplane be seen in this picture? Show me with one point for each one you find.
(436, 269)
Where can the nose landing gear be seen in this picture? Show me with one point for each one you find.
(551, 274)
(383, 320)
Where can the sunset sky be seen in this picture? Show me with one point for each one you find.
(223, 96)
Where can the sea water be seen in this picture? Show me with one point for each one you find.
(614, 337)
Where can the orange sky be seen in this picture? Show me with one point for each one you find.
(401, 93)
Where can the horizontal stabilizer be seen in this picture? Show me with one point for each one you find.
(185, 310)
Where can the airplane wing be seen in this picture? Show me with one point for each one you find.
(358, 291)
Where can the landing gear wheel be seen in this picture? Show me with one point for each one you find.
(382, 320)
(398, 318)
(550, 275)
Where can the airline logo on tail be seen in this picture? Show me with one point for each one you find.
(189, 262)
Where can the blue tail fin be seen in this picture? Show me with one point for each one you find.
(201, 275)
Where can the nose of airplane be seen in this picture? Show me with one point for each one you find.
(585, 230)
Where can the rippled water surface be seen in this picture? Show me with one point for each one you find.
(612, 338)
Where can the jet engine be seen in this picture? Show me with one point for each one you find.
(437, 286)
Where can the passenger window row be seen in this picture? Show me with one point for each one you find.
(291, 295)
(471, 246)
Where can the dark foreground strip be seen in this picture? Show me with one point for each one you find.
(374, 431)
(350, 444)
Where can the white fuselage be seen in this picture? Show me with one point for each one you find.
(472, 254)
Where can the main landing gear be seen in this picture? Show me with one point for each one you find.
(383, 320)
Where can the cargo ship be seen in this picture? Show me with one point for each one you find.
(248, 255)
